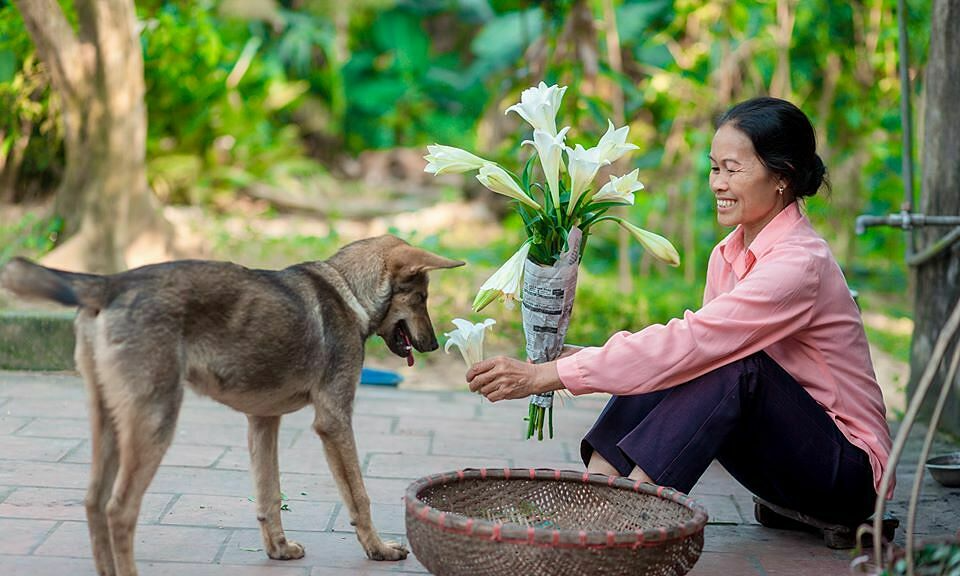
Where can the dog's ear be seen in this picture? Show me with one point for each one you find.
(408, 260)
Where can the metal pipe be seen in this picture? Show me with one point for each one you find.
(907, 122)
(918, 259)
(904, 220)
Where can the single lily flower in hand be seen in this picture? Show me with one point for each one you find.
(539, 106)
(468, 338)
(498, 180)
(619, 189)
(505, 283)
(449, 160)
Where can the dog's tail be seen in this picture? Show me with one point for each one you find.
(30, 280)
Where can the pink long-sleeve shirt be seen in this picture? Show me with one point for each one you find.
(784, 294)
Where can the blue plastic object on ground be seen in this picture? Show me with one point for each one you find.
(376, 377)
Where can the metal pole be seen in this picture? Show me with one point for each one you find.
(907, 125)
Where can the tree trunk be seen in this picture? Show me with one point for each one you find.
(111, 219)
(938, 281)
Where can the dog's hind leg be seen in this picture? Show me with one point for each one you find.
(334, 428)
(103, 441)
(145, 413)
(262, 440)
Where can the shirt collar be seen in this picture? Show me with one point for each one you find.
(732, 249)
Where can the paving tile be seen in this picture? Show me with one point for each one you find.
(240, 512)
(21, 536)
(177, 455)
(323, 487)
(458, 428)
(67, 504)
(402, 436)
(796, 564)
(153, 542)
(393, 466)
(53, 407)
(38, 566)
(234, 434)
(721, 509)
(46, 474)
(419, 407)
(11, 424)
(308, 456)
(56, 428)
(203, 481)
(42, 449)
(726, 564)
(328, 571)
(42, 385)
(752, 540)
(387, 518)
(190, 569)
(339, 550)
(495, 447)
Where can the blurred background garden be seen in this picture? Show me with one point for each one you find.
(277, 131)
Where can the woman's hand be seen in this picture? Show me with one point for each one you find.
(503, 378)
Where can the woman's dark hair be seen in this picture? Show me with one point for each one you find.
(783, 139)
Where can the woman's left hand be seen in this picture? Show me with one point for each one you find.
(503, 378)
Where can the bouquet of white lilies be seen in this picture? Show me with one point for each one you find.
(556, 214)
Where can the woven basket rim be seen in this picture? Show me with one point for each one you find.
(419, 511)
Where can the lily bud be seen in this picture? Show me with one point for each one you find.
(449, 160)
(498, 180)
(505, 284)
(658, 246)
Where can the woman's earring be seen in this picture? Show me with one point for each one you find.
(780, 189)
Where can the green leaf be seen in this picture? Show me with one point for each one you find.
(502, 40)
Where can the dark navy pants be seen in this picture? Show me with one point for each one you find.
(758, 422)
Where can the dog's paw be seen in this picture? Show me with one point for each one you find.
(287, 550)
(389, 551)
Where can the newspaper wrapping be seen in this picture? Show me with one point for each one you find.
(548, 293)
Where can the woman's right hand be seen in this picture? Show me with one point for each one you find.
(569, 350)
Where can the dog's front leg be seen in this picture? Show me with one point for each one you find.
(262, 440)
(341, 450)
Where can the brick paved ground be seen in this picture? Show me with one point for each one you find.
(197, 518)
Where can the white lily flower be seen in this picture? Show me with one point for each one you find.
(505, 283)
(468, 338)
(550, 150)
(614, 144)
(619, 189)
(583, 165)
(658, 246)
(449, 160)
(498, 180)
(539, 106)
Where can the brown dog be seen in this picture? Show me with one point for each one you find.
(263, 342)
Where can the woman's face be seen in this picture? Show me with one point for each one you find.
(745, 190)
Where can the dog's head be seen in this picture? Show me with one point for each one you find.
(406, 325)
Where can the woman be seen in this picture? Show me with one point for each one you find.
(772, 376)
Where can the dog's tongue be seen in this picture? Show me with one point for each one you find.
(406, 340)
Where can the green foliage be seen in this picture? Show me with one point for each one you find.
(940, 559)
(229, 100)
(217, 120)
(402, 93)
(29, 117)
(30, 236)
